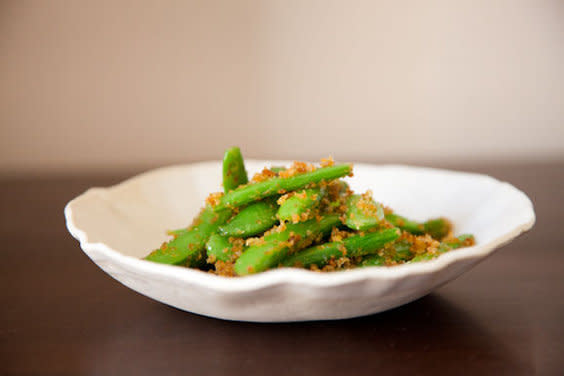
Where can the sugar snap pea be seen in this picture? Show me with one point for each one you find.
(252, 220)
(277, 245)
(300, 206)
(353, 246)
(234, 173)
(363, 212)
(188, 248)
(252, 192)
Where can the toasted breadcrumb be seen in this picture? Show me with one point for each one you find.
(338, 235)
(326, 162)
(213, 198)
(367, 205)
(282, 199)
(224, 269)
(254, 241)
(421, 244)
(337, 264)
(297, 168)
(265, 174)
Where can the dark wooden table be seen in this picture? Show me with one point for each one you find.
(61, 315)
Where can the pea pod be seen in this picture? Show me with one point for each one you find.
(277, 245)
(234, 173)
(257, 191)
(353, 246)
(300, 206)
(188, 247)
(252, 220)
(363, 213)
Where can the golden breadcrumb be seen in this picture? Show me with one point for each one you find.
(326, 162)
(265, 174)
(297, 168)
(213, 198)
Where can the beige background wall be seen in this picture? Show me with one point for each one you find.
(106, 84)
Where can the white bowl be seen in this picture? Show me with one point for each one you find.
(116, 226)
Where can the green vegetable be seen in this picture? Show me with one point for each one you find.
(271, 187)
(400, 251)
(218, 235)
(437, 228)
(444, 247)
(356, 245)
(188, 248)
(252, 220)
(405, 224)
(220, 248)
(234, 173)
(277, 245)
(363, 213)
(302, 202)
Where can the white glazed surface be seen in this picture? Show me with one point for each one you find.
(116, 226)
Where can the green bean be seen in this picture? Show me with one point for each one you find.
(253, 192)
(188, 248)
(252, 220)
(221, 248)
(445, 246)
(459, 241)
(399, 251)
(234, 173)
(408, 225)
(353, 246)
(277, 245)
(302, 203)
(363, 213)
(438, 228)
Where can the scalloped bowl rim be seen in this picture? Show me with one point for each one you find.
(280, 276)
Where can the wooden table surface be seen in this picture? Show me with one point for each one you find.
(61, 315)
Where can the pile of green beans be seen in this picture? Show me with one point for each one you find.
(296, 217)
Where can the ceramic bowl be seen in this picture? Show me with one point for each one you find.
(116, 226)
